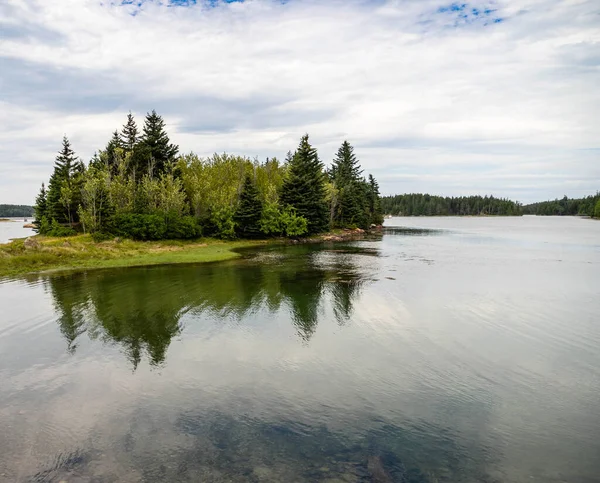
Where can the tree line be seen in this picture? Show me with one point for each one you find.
(140, 187)
(588, 206)
(9, 211)
(417, 204)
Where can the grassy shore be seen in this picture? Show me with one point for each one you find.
(39, 254)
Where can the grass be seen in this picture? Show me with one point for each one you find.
(81, 252)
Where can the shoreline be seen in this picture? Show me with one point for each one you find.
(41, 255)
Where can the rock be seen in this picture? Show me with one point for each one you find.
(117, 239)
(28, 225)
(31, 244)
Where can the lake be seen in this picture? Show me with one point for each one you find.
(446, 350)
(14, 229)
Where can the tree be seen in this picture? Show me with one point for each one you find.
(63, 196)
(112, 152)
(376, 216)
(155, 147)
(129, 133)
(248, 213)
(304, 187)
(597, 210)
(41, 209)
(345, 173)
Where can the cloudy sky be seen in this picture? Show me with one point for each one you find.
(496, 97)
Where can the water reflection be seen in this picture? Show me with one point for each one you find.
(141, 309)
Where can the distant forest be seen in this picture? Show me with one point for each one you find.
(588, 206)
(9, 211)
(428, 205)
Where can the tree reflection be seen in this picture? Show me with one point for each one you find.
(140, 309)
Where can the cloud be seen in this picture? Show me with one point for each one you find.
(484, 96)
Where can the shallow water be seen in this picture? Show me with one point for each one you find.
(14, 229)
(451, 349)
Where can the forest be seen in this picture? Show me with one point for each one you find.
(139, 186)
(429, 205)
(10, 211)
(588, 206)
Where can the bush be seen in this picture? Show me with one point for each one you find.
(139, 226)
(184, 227)
(597, 210)
(58, 230)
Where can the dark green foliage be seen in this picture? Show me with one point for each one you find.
(565, 206)
(428, 205)
(63, 189)
(155, 147)
(597, 210)
(129, 134)
(41, 208)
(374, 202)
(183, 228)
(111, 151)
(139, 226)
(304, 187)
(249, 211)
(8, 211)
(59, 230)
(351, 206)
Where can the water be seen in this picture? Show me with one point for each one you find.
(14, 229)
(449, 350)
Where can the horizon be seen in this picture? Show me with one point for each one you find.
(444, 98)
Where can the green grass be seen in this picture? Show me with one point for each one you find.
(81, 252)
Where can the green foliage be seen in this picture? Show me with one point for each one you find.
(427, 205)
(249, 211)
(155, 145)
(304, 187)
(139, 226)
(57, 229)
(597, 210)
(9, 211)
(138, 188)
(565, 206)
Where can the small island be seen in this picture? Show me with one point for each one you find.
(139, 201)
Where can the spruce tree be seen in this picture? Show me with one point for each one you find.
(304, 187)
(249, 211)
(155, 145)
(129, 133)
(111, 151)
(41, 209)
(345, 173)
(67, 167)
(376, 215)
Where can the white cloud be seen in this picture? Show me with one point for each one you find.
(433, 100)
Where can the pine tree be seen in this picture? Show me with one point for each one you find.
(376, 215)
(63, 196)
(129, 133)
(41, 209)
(345, 174)
(111, 151)
(158, 152)
(304, 187)
(249, 211)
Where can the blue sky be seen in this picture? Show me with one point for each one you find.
(494, 97)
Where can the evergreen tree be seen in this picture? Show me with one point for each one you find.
(345, 174)
(248, 214)
(304, 187)
(111, 152)
(155, 146)
(41, 209)
(374, 200)
(129, 134)
(63, 197)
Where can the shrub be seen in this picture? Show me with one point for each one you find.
(184, 227)
(58, 230)
(139, 226)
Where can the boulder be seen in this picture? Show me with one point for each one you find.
(31, 244)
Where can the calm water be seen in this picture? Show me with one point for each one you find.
(450, 350)
(14, 229)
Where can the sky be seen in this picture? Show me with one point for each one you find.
(483, 97)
